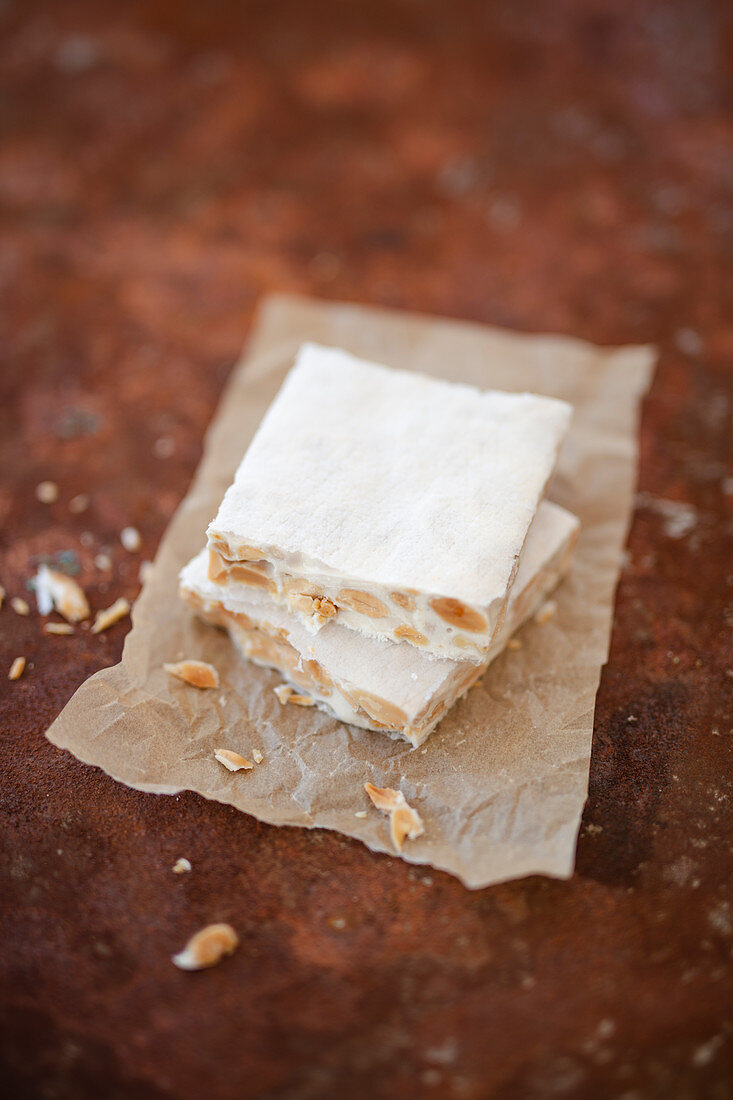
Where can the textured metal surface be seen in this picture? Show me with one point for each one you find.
(548, 166)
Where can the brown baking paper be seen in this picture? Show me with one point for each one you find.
(501, 783)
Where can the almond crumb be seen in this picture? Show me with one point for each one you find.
(197, 673)
(19, 606)
(257, 756)
(56, 590)
(79, 503)
(403, 820)
(207, 948)
(360, 813)
(302, 700)
(514, 643)
(17, 668)
(130, 539)
(232, 760)
(286, 694)
(113, 614)
(546, 612)
(181, 866)
(58, 628)
(47, 492)
(103, 562)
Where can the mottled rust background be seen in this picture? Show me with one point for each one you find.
(560, 166)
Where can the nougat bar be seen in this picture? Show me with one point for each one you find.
(394, 504)
(380, 685)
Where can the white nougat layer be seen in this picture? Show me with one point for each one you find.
(403, 500)
(368, 682)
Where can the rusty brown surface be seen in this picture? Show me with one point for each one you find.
(559, 166)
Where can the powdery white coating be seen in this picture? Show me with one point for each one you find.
(396, 672)
(383, 476)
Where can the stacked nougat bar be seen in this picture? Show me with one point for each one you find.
(384, 536)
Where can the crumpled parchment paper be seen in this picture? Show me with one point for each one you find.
(501, 783)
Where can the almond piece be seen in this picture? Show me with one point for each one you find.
(286, 694)
(112, 615)
(57, 590)
(257, 756)
(318, 606)
(247, 574)
(181, 867)
(197, 673)
(17, 668)
(363, 602)
(207, 948)
(379, 710)
(302, 700)
(403, 820)
(403, 600)
(458, 614)
(410, 634)
(19, 606)
(232, 760)
(58, 628)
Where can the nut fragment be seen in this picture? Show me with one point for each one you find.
(403, 600)
(207, 948)
(47, 492)
(379, 710)
(181, 866)
(19, 606)
(79, 503)
(545, 613)
(363, 602)
(302, 700)
(17, 668)
(58, 628)
(54, 589)
(130, 539)
(458, 614)
(318, 606)
(257, 756)
(197, 673)
(241, 552)
(410, 634)
(403, 820)
(232, 760)
(112, 615)
(286, 694)
(247, 574)
(318, 673)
